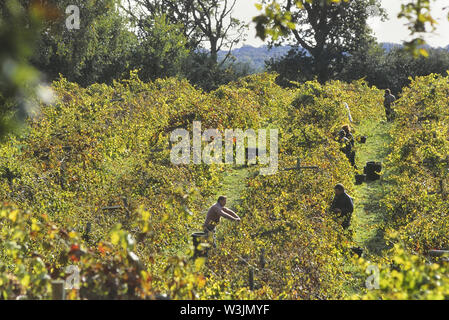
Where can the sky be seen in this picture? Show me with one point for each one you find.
(391, 30)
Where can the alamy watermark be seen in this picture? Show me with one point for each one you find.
(372, 282)
(73, 279)
(373, 11)
(234, 140)
(73, 20)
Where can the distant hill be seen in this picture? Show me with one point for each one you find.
(388, 46)
(255, 57)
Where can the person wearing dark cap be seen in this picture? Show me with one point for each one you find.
(342, 205)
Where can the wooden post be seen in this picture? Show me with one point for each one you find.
(57, 290)
(262, 259)
(126, 206)
(438, 253)
(125, 202)
(86, 235)
(251, 278)
(199, 238)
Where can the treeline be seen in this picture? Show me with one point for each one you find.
(194, 40)
(379, 66)
(162, 38)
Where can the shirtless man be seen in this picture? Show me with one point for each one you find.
(217, 211)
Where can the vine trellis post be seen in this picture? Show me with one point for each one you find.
(58, 290)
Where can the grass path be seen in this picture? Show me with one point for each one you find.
(233, 184)
(368, 218)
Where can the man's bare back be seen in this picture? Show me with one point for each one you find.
(217, 211)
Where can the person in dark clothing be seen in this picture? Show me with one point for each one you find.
(389, 100)
(342, 205)
(347, 139)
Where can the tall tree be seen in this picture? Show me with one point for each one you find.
(162, 50)
(142, 12)
(393, 68)
(207, 24)
(276, 21)
(328, 32)
(99, 51)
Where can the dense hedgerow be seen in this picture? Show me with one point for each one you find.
(100, 157)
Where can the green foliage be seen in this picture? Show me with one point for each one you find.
(100, 156)
(19, 81)
(325, 33)
(416, 199)
(278, 21)
(112, 41)
(161, 51)
(408, 276)
(418, 202)
(204, 72)
(294, 66)
(101, 50)
(98, 145)
(381, 65)
(393, 69)
(417, 12)
(204, 23)
(286, 214)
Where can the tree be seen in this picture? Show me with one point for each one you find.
(394, 68)
(140, 12)
(368, 62)
(400, 66)
(275, 21)
(328, 32)
(162, 50)
(214, 18)
(207, 23)
(203, 72)
(295, 66)
(20, 83)
(99, 51)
